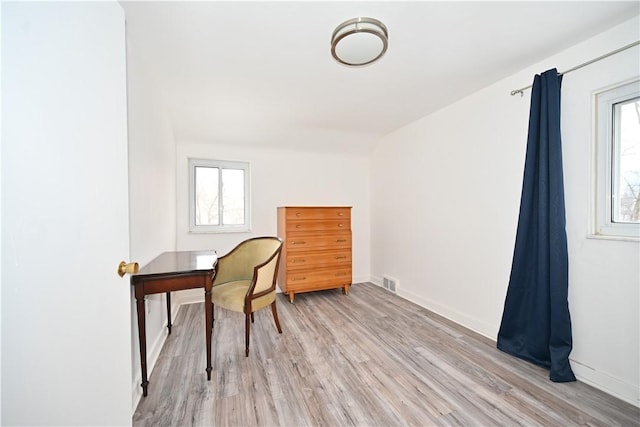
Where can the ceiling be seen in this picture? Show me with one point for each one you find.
(261, 73)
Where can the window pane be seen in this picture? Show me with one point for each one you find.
(219, 200)
(206, 194)
(232, 196)
(626, 162)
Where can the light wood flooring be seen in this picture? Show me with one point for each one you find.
(367, 359)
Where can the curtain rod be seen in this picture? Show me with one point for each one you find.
(606, 55)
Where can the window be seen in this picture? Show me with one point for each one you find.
(617, 137)
(218, 196)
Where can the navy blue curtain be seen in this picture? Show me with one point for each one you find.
(536, 325)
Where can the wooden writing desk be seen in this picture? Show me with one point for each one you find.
(174, 271)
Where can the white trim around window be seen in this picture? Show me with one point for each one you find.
(606, 194)
(219, 196)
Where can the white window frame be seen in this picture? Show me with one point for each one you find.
(604, 130)
(221, 228)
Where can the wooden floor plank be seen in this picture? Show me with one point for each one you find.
(367, 359)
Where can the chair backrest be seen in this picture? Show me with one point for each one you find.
(239, 264)
(265, 275)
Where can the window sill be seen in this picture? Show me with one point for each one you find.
(631, 239)
(220, 231)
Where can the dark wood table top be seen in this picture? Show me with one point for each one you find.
(177, 263)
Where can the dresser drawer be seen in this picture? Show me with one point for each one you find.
(318, 279)
(318, 213)
(326, 225)
(334, 241)
(310, 260)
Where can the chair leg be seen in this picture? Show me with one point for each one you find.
(275, 316)
(247, 327)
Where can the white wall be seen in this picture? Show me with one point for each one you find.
(1, 179)
(445, 195)
(152, 193)
(282, 178)
(604, 275)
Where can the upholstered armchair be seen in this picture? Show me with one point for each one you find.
(245, 280)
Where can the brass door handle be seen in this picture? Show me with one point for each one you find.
(130, 268)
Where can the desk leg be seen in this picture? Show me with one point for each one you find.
(208, 323)
(169, 312)
(142, 337)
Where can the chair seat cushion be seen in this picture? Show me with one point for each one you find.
(230, 295)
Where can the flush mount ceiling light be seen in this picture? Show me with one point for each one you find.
(359, 41)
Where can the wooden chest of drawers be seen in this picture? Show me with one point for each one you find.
(316, 251)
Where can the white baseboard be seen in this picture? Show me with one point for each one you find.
(375, 280)
(193, 296)
(458, 317)
(602, 381)
(190, 296)
(356, 280)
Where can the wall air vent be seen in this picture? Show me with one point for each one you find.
(390, 284)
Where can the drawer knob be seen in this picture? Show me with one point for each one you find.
(341, 257)
(341, 225)
(299, 278)
(340, 214)
(295, 261)
(298, 214)
(298, 243)
(298, 226)
(341, 240)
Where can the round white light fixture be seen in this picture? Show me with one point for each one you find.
(359, 41)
